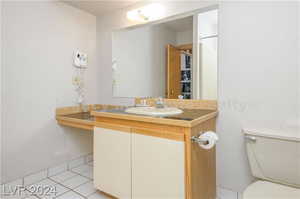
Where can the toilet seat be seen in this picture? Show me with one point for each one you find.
(269, 190)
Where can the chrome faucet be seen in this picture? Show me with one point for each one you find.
(159, 103)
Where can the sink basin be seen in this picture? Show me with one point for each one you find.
(153, 111)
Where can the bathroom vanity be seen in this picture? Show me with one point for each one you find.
(157, 157)
(137, 156)
(152, 157)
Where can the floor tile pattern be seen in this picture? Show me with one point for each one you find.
(75, 183)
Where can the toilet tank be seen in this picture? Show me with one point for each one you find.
(274, 156)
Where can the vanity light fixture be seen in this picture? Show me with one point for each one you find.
(147, 13)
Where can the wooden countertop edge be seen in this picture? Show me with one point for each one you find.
(89, 122)
(204, 118)
(173, 122)
(74, 122)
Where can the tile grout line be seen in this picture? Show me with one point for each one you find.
(76, 186)
(76, 172)
(48, 177)
(71, 172)
(57, 183)
(60, 183)
(60, 174)
(91, 194)
(85, 177)
(73, 189)
(47, 169)
(80, 193)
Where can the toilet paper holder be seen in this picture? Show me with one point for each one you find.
(197, 139)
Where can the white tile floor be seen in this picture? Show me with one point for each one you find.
(76, 183)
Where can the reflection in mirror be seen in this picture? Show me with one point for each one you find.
(158, 60)
(208, 55)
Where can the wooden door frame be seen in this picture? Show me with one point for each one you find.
(167, 88)
(184, 47)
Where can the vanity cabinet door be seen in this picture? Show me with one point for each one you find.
(112, 162)
(157, 168)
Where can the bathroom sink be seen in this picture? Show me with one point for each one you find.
(153, 111)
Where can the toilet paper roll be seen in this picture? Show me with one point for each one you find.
(209, 139)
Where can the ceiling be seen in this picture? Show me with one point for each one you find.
(180, 25)
(98, 7)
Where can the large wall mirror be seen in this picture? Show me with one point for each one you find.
(171, 58)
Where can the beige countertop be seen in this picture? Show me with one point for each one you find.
(81, 120)
(194, 112)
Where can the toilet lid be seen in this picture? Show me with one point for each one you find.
(268, 190)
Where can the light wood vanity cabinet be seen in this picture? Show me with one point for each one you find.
(130, 165)
(157, 167)
(138, 157)
(112, 162)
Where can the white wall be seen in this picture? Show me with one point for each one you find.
(298, 68)
(1, 91)
(39, 39)
(257, 79)
(257, 74)
(142, 63)
(185, 37)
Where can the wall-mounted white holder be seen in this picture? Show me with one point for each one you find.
(80, 62)
(80, 59)
(114, 71)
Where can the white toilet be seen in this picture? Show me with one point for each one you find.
(275, 160)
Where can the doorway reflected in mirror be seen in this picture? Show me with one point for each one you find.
(171, 58)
